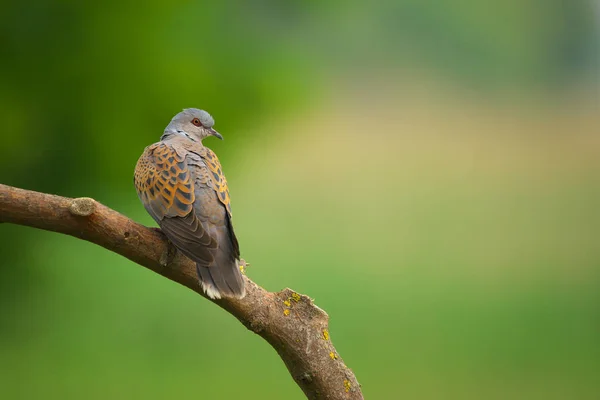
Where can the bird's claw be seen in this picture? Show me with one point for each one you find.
(158, 230)
(167, 256)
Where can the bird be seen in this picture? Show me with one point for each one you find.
(181, 184)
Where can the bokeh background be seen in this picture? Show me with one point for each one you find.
(428, 172)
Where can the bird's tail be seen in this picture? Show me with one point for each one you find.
(223, 279)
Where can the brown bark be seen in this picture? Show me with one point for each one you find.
(295, 327)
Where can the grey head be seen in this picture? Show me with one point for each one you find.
(192, 123)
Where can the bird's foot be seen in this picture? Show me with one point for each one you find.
(158, 230)
(168, 255)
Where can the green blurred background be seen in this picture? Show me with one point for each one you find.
(428, 172)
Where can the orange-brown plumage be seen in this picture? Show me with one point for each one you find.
(162, 177)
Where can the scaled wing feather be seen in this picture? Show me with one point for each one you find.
(165, 186)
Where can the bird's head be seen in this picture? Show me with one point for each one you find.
(193, 123)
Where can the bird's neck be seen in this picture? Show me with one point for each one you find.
(173, 134)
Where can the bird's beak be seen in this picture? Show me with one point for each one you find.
(215, 133)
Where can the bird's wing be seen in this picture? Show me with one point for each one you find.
(211, 206)
(218, 183)
(165, 185)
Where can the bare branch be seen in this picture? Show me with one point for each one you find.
(295, 327)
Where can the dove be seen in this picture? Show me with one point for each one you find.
(181, 184)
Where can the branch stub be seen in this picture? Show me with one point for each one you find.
(83, 206)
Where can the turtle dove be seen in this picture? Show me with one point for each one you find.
(182, 186)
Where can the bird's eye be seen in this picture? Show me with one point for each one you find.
(196, 122)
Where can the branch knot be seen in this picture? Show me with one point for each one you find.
(82, 206)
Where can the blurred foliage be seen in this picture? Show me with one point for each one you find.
(383, 158)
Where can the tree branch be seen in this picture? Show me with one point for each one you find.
(295, 327)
